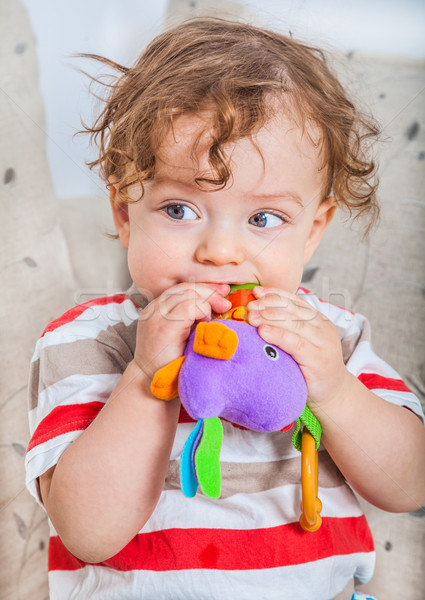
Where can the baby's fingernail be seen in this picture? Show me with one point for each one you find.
(259, 291)
(254, 315)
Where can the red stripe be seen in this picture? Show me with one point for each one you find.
(373, 381)
(76, 311)
(63, 419)
(74, 417)
(184, 416)
(176, 549)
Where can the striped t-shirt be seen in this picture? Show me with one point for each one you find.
(247, 544)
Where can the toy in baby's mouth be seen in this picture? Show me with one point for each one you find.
(228, 371)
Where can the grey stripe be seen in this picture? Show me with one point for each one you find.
(33, 385)
(350, 342)
(138, 298)
(348, 346)
(250, 478)
(109, 352)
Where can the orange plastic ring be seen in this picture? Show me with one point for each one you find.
(311, 506)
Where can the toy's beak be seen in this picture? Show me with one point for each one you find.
(165, 381)
(215, 340)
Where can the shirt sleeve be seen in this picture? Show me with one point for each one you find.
(76, 365)
(377, 375)
(360, 358)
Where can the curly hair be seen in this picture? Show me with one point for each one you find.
(233, 70)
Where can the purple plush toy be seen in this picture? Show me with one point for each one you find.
(242, 387)
(228, 371)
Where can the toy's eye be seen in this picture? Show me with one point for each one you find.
(271, 352)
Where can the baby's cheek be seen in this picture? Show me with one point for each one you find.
(287, 277)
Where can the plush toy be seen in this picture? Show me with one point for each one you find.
(228, 371)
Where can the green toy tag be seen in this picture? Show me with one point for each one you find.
(312, 424)
(242, 286)
(207, 458)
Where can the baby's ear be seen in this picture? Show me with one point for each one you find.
(119, 212)
(323, 217)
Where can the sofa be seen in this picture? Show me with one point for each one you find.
(55, 253)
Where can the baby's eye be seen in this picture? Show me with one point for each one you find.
(180, 212)
(266, 219)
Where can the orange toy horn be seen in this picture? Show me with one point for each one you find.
(215, 340)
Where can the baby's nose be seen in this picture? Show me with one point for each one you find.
(219, 247)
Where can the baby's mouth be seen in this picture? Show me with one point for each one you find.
(231, 281)
(248, 280)
(233, 284)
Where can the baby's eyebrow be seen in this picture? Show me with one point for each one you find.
(286, 195)
(162, 181)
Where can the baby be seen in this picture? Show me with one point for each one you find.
(227, 150)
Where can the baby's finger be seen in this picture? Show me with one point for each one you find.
(281, 321)
(217, 301)
(222, 288)
(284, 307)
(200, 293)
(277, 297)
(277, 317)
(296, 345)
(188, 311)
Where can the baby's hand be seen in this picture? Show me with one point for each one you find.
(289, 322)
(166, 322)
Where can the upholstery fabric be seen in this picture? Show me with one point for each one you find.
(53, 254)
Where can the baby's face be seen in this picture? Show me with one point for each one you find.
(262, 227)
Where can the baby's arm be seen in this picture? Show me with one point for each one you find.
(106, 484)
(378, 446)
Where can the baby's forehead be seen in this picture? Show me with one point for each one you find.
(186, 148)
(279, 173)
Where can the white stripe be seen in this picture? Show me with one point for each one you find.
(240, 446)
(33, 420)
(52, 530)
(75, 389)
(88, 324)
(321, 580)
(401, 399)
(364, 360)
(269, 508)
(339, 316)
(40, 458)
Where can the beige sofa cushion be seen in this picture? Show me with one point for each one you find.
(52, 253)
(42, 273)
